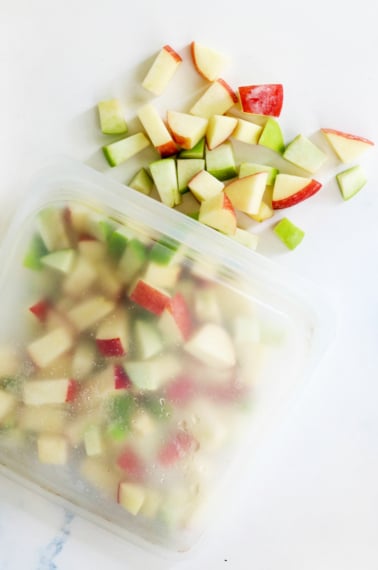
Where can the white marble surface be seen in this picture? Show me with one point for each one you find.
(312, 498)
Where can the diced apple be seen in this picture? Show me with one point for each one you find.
(179, 309)
(52, 228)
(212, 345)
(54, 391)
(290, 234)
(272, 137)
(52, 449)
(247, 132)
(93, 441)
(132, 261)
(147, 339)
(131, 462)
(246, 238)
(112, 120)
(152, 374)
(131, 496)
(217, 100)
(9, 361)
(218, 213)
(186, 129)
(265, 212)
(162, 276)
(266, 99)
(118, 152)
(48, 419)
(246, 193)
(162, 70)
(219, 129)
(182, 390)
(109, 282)
(62, 260)
(112, 336)
(247, 168)
(151, 298)
(348, 147)
(80, 279)
(351, 181)
(156, 130)
(206, 305)
(118, 240)
(220, 161)
(177, 448)
(209, 62)
(204, 186)
(7, 404)
(164, 175)
(89, 312)
(142, 182)
(151, 504)
(44, 350)
(36, 250)
(97, 472)
(288, 190)
(186, 169)
(94, 251)
(304, 153)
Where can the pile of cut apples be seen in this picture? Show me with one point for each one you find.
(195, 150)
(137, 367)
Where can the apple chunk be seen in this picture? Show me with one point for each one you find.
(208, 62)
(164, 175)
(288, 190)
(162, 70)
(89, 312)
(217, 99)
(112, 337)
(348, 147)
(351, 181)
(118, 152)
(131, 496)
(246, 193)
(219, 129)
(44, 350)
(212, 345)
(52, 449)
(112, 121)
(218, 213)
(304, 153)
(264, 99)
(156, 130)
(204, 186)
(54, 391)
(149, 297)
(290, 234)
(247, 132)
(186, 129)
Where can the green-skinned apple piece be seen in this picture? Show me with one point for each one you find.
(204, 186)
(118, 152)
(186, 169)
(290, 234)
(351, 181)
(62, 260)
(186, 129)
(162, 70)
(246, 238)
(218, 213)
(304, 153)
(220, 161)
(157, 130)
(142, 182)
(52, 228)
(163, 251)
(288, 190)
(219, 129)
(272, 137)
(198, 151)
(247, 132)
(348, 147)
(132, 261)
(164, 175)
(208, 62)
(247, 168)
(112, 120)
(246, 193)
(218, 98)
(35, 252)
(118, 240)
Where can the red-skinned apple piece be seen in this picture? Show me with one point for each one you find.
(40, 309)
(162, 70)
(208, 62)
(121, 379)
(156, 130)
(218, 213)
(179, 309)
(265, 99)
(216, 100)
(347, 146)
(177, 448)
(288, 190)
(49, 391)
(131, 462)
(186, 129)
(112, 335)
(149, 297)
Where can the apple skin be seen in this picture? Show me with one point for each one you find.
(72, 390)
(176, 448)
(229, 89)
(347, 136)
(121, 379)
(181, 314)
(309, 190)
(149, 297)
(167, 149)
(266, 99)
(40, 309)
(348, 147)
(130, 462)
(110, 346)
(173, 53)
